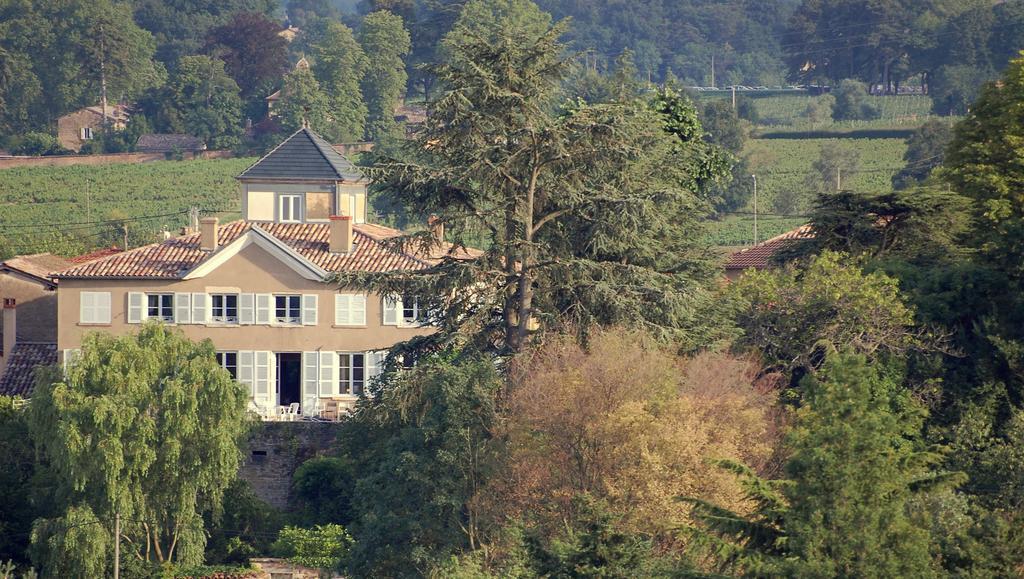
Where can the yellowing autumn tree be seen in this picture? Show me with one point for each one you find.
(630, 423)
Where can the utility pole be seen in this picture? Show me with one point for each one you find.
(117, 545)
(754, 177)
(839, 178)
(733, 87)
(713, 71)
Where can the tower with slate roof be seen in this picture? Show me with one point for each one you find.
(303, 180)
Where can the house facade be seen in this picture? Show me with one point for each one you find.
(77, 128)
(260, 288)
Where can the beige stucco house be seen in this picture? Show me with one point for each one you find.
(259, 287)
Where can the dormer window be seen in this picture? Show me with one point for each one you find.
(289, 208)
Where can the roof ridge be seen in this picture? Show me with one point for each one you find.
(315, 139)
(270, 152)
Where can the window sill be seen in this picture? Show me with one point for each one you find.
(95, 324)
(351, 326)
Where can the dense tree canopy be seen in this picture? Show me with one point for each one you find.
(146, 426)
(559, 196)
(383, 36)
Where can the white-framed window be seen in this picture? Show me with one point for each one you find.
(224, 308)
(160, 307)
(350, 309)
(95, 307)
(229, 361)
(289, 208)
(351, 372)
(404, 311)
(86, 133)
(288, 309)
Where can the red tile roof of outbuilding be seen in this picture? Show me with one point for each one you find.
(760, 256)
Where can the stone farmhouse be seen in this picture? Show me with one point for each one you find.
(77, 128)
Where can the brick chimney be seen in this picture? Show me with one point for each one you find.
(341, 234)
(209, 234)
(436, 227)
(10, 333)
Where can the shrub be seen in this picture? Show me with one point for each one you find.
(35, 144)
(852, 102)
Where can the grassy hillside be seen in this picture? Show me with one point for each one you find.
(66, 209)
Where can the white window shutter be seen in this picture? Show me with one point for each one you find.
(309, 309)
(328, 373)
(247, 371)
(341, 309)
(200, 306)
(358, 309)
(103, 307)
(135, 309)
(68, 357)
(247, 308)
(310, 373)
(86, 305)
(310, 383)
(392, 311)
(263, 305)
(262, 376)
(183, 308)
(375, 363)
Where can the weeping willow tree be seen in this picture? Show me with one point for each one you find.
(146, 427)
(584, 213)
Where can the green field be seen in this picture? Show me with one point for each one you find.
(738, 230)
(65, 209)
(785, 165)
(788, 111)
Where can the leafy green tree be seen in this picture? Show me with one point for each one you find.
(926, 150)
(723, 126)
(835, 165)
(919, 225)
(383, 35)
(245, 528)
(180, 27)
(981, 165)
(595, 548)
(339, 65)
(570, 205)
(200, 99)
(422, 449)
(324, 489)
(305, 13)
(955, 86)
(86, 52)
(789, 314)
(852, 102)
(17, 466)
(20, 90)
(304, 103)
(254, 54)
(323, 547)
(144, 426)
(855, 465)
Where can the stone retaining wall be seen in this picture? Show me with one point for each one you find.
(276, 449)
(109, 159)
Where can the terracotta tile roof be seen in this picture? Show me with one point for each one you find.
(94, 255)
(760, 256)
(40, 265)
(18, 379)
(172, 258)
